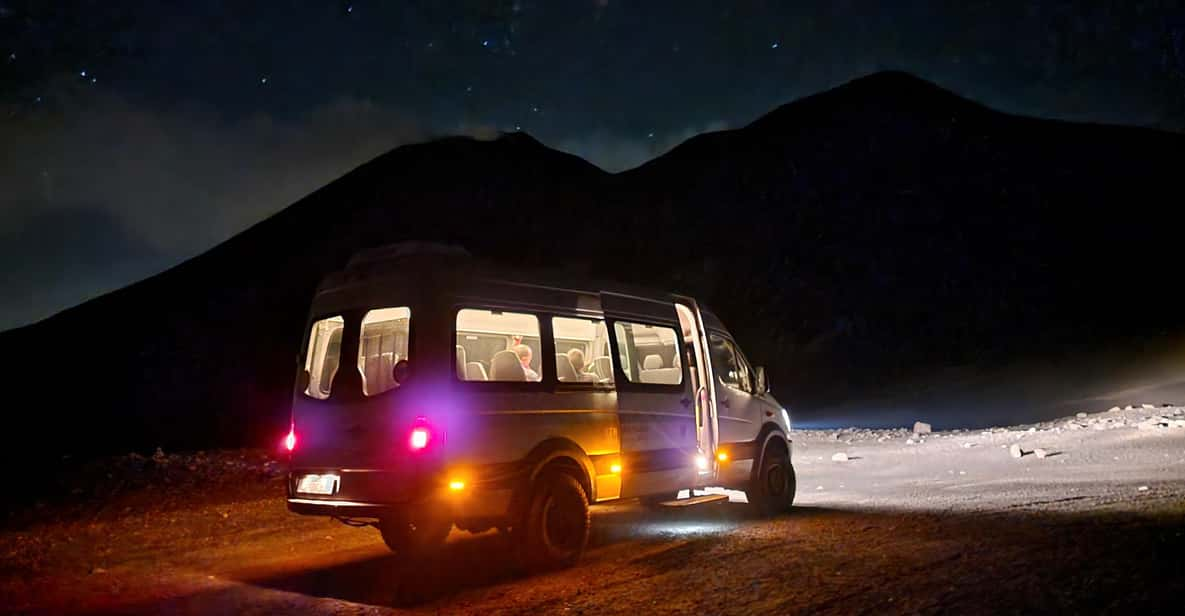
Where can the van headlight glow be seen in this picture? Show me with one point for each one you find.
(701, 462)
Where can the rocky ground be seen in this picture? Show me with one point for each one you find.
(1083, 514)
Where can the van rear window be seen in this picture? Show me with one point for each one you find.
(382, 345)
(493, 345)
(324, 356)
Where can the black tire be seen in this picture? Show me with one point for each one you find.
(555, 528)
(413, 535)
(771, 491)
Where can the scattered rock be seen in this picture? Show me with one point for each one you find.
(1142, 489)
(1114, 409)
(839, 457)
(970, 445)
(1081, 415)
(1015, 451)
(1147, 406)
(908, 441)
(921, 427)
(1040, 453)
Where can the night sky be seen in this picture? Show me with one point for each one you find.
(138, 134)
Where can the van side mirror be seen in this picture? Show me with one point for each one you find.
(762, 380)
(399, 371)
(302, 380)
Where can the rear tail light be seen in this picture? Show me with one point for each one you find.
(419, 438)
(290, 440)
(422, 435)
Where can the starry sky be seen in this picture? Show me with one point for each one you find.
(137, 134)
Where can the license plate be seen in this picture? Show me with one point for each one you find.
(318, 484)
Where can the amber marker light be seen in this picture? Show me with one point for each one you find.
(722, 456)
(616, 468)
(456, 485)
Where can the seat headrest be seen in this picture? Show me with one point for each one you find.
(652, 362)
(460, 361)
(505, 366)
(564, 370)
(474, 371)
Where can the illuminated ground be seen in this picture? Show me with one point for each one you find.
(949, 523)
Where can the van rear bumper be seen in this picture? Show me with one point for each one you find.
(377, 494)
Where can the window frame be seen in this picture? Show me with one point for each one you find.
(546, 369)
(619, 375)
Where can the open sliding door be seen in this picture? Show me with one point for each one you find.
(655, 399)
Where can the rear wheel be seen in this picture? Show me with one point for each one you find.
(771, 490)
(413, 535)
(555, 528)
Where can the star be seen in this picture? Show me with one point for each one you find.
(774, 46)
(263, 80)
(82, 73)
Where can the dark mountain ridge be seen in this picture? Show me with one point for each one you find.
(849, 239)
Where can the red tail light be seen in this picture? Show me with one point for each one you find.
(419, 438)
(290, 440)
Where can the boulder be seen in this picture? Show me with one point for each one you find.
(1015, 451)
(921, 427)
(839, 457)
(1040, 453)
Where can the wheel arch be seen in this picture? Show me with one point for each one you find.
(770, 432)
(558, 452)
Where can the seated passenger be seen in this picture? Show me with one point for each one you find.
(576, 356)
(524, 357)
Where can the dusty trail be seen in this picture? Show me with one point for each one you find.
(896, 528)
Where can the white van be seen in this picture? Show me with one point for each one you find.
(484, 401)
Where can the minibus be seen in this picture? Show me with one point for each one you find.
(436, 391)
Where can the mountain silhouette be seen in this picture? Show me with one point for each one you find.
(878, 230)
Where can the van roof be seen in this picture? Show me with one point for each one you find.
(451, 261)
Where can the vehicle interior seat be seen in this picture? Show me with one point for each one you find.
(505, 366)
(474, 371)
(603, 366)
(653, 371)
(564, 370)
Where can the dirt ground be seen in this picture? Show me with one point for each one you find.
(1084, 543)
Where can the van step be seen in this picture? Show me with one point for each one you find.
(695, 500)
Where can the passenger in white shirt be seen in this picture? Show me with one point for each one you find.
(524, 356)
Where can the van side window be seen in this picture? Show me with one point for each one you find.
(648, 353)
(324, 355)
(729, 365)
(582, 351)
(493, 345)
(382, 344)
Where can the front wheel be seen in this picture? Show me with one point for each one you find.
(771, 490)
(413, 535)
(556, 524)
